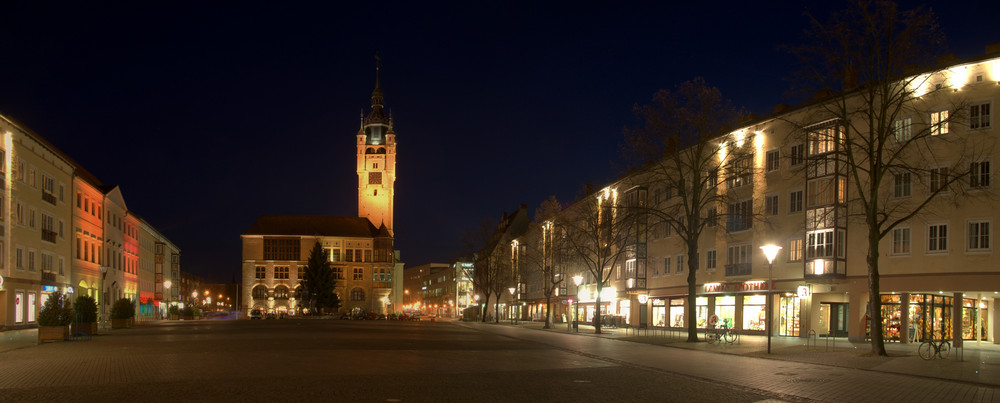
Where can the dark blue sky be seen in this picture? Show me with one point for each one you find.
(208, 116)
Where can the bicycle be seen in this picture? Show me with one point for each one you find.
(930, 348)
(723, 333)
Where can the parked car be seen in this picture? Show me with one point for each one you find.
(255, 315)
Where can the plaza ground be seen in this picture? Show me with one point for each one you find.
(335, 360)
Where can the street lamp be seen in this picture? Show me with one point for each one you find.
(770, 251)
(577, 279)
(511, 309)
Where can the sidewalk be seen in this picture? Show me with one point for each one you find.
(17, 339)
(979, 363)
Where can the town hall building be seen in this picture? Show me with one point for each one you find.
(360, 249)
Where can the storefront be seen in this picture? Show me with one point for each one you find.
(725, 309)
(788, 316)
(659, 312)
(677, 318)
(754, 312)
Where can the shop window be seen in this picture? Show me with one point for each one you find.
(754, 312)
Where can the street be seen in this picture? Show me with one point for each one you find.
(337, 360)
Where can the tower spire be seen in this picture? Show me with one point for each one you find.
(377, 93)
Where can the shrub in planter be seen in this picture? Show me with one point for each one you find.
(54, 318)
(174, 312)
(121, 313)
(85, 314)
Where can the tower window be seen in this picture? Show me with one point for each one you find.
(375, 193)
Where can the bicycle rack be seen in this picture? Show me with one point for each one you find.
(812, 340)
(829, 337)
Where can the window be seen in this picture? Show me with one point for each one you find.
(712, 216)
(798, 154)
(280, 292)
(368, 255)
(937, 238)
(668, 192)
(19, 213)
(359, 273)
(680, 263)
(979, 116)
(335, 256)
(261, 273)
(771, 161)
(668, 230)
(795, 250)
(979, 174)
(357, 294)
(281, 273)
(979, 235)
(901, 184)
(822, 141)
(300, 273)
(740, 216)
(740, 172)
(939, 178)
(795, 202)
(739, 260)
(666, 264)
(901, 241)
(19, 259)
(281, 249)
(710, 259)
(31, 217)
(655, 267)
(901, 130)
(819, 244)
(259, 292)
(771, 205)
(31, 260)
(349, 255)
(939, 123)
(338, 273)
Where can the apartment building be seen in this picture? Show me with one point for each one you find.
(939, 276)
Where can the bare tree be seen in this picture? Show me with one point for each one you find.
(482, 273)
(683, 152)
(546, 249)
(597, 235)
(881, 130)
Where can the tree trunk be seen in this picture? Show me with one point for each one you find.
(482, 308)
(878, 345)
(496, 310)
(692, 280)
(548, 311)
(597, 312)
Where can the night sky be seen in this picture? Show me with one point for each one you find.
(210, 115)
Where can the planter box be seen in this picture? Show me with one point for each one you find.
(174, 317)
(187, 317)
(121, 323)
(53, 333)
(87, 327)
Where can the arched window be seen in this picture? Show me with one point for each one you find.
(298, 291)
(357, 294)
(281, 292)
(259, 292)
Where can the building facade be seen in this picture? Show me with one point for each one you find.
(58, 231)
(939, 276)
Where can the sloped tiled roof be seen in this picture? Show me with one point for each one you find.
(312, 226)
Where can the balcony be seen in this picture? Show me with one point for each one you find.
(48, 277)
(738, 269)
(382, 284)
(48, 235)
(49, 197)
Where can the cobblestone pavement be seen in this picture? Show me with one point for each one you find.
(794, 369)
(334, 360)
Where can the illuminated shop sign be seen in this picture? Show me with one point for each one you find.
(748, 286)
(50, 288)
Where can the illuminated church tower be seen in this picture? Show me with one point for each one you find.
(376, 163)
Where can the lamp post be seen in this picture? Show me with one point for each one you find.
(770, 251)
(510, 311)
(577, 279)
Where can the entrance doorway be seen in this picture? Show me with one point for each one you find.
(836, 315)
